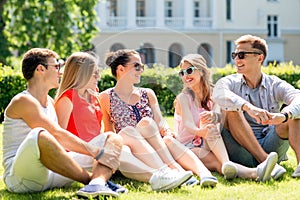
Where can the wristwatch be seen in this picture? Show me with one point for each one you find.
(286, 116)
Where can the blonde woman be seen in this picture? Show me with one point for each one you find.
(197, 123)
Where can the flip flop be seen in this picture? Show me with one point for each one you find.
(209, 181)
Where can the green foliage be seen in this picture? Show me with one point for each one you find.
(64, 26)
(11, 83)
(164, 81)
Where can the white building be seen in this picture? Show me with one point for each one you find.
(166, 30)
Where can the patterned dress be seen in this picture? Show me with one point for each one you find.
(123, 114)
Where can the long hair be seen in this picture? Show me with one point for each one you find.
(77, 72)
(206, 84)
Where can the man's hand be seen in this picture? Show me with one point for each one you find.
(261, 116)
(276, 118)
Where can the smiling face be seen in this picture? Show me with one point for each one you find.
(251, 63)
(190, 80)
(131, 71)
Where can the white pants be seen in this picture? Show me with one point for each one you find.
(28, 174)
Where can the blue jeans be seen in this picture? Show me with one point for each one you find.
(268, 139)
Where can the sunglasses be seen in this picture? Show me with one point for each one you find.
(138, 67)
(187, 71)
(241, 54)
(57, 66)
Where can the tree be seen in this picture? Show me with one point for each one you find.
(3, 41)
(64, 26)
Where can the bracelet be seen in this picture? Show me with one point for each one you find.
(216, 118)
(100, 154)
(286, 116)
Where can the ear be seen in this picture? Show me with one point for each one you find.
(261, 58)
(40, 68)
(121, 68)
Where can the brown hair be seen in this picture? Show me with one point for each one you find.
(33, 58)
(119, 57)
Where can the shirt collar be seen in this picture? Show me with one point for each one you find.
(262, 84)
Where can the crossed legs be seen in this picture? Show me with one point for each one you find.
(55, 158)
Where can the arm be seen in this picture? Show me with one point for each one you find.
(163, 126)
(28, 108)
(225, 97)
(183, 109)
(105, 108)
(291, 97)
(63, 108)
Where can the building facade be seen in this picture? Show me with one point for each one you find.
(165, 30)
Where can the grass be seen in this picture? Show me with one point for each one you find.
(285, 188)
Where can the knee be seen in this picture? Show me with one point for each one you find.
(213, 133)
(45, 137)
(130, 132)
(147, 126)
(147, 122)
(115, 139)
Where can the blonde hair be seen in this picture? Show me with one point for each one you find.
(78, 70)
(206, 84)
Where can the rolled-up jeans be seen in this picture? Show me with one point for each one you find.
(268, 139)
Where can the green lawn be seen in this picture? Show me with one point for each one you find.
(286, 188)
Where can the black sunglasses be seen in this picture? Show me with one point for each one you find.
(241, 54)
(187, 71)
(138, 67)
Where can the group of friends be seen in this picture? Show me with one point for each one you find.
(240, 127)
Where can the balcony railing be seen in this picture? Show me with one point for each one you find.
(203, 22)
(116, 22)
(145, 21)
(172, 22)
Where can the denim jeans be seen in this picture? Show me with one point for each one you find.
(268, 139)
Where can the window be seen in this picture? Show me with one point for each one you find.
(228, 9)
(168, 11)
(196, 9)
(272, 21)
(229, 49)
(140, 11)
(113, 8)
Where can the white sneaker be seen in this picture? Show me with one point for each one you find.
(278, 172)
(229, 170)
(296, 173)
(166, 179)
(265, 168)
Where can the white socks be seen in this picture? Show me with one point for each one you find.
(97, 181)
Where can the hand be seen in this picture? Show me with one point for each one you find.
(207, 117)
(276, 118)
(209, 130)
(261, 116)
(110, 156)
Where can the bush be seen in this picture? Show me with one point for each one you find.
(164, 81)
(11, 83)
